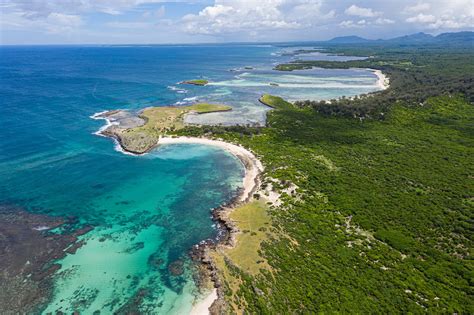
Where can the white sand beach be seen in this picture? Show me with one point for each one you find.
(202, 307)
(383, 81)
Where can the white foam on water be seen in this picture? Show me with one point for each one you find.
(367, 80)
(109, 122)
(177, 89)
(41, 228)
(328, 85)
(187, 100)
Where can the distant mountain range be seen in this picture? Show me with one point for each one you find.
(418, 38)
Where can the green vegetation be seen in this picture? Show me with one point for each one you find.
(200, 82)
(253, 222)
(274, 101)
(160, 121)
(385, 229)
(203, 108)
(382, 221)
(415, 75)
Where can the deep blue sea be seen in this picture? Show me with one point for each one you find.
(145, 209)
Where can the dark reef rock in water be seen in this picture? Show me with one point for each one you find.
(176, 268)
(155, 261)
(133, 305)
(135, 247)
(27, 251)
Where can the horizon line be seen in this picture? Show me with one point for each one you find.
(226, 43)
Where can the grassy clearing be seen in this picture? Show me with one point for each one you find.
(254, 223)
(230, 279)
(244, 260)
(274, 101)
(169, 118)
(203, 108)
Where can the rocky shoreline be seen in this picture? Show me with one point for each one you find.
(117, 121)
(227, 231)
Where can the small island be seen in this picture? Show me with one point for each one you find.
(274, 101)
(199, 82)
(140, 133)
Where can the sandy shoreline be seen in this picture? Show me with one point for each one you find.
(383, 81)
(202, 307)
(253, 168)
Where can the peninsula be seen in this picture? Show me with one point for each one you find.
(139, 134)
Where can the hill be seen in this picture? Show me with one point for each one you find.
(348, 40)
(456, 38)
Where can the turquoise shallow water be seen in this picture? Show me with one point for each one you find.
(147, 211)
(145, 223)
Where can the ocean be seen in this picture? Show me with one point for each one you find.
(147, 211)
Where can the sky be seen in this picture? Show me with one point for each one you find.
(30, 22)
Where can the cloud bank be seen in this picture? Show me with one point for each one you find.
(135, 21)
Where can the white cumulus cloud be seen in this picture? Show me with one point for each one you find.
(362, 12)
(42, 8)
(52, 23)
(226, 20)
(352, 24)
(253, 16)
(447, 22)
(421, 18)
(416, 8)
(382, 21)
(442, 15)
